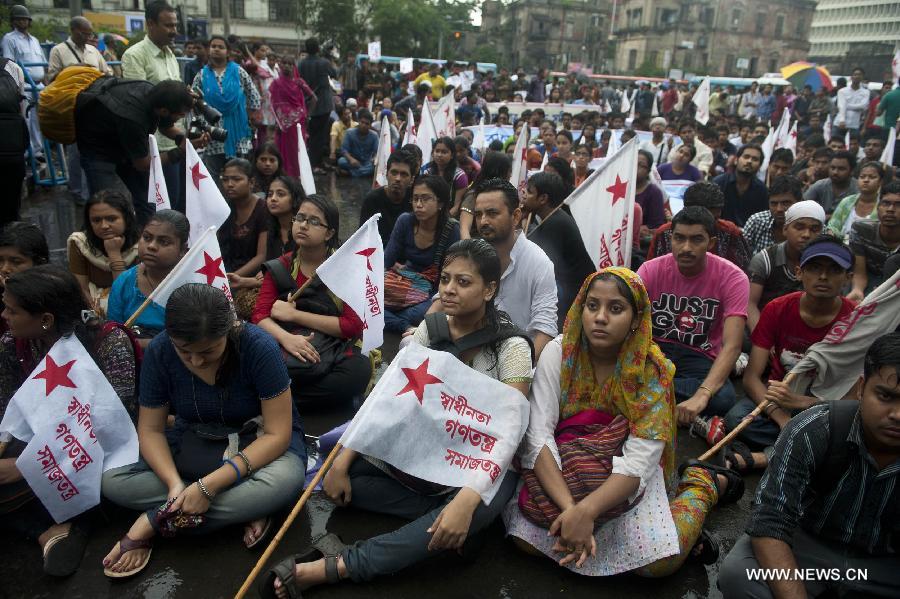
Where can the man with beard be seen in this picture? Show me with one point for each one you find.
(113, 119)
(765, 227)
(744, 193)
(393, 200)
(528, 286)
(839, 184)
(699, 308)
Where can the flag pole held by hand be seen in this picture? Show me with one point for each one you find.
(288, 521)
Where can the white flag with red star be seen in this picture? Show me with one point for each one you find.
(307, 179)
(384, 152)
(701, 101)
(520, 161)
(409, 134)
(426, 132)
(76, 428)
(445, 116)
(157, 192)
(355, 273)
(202, 264)
(434, 418)
(204, 205)
(603, 207)
(790, 141)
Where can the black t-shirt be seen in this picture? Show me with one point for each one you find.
(239, 240)
(377, 201)
(115, 134)
(559, 237)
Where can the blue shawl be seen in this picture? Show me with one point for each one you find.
(231, 102)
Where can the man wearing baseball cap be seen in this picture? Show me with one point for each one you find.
(787, 327)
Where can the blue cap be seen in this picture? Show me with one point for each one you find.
(838, 252)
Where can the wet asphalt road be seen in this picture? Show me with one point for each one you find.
(214, 566)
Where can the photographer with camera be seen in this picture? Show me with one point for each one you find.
(113, 121)
(226, 87)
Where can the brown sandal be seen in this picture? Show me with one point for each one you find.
(127, 544)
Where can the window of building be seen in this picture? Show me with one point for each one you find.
(754, 66)
(85, 4)
(708, 16)
(654, 58)
(736, 15)
(635, 16)
(760, 23)
(668, 16)
(236, 6)
(801, 27)
(730, 65)
(632, 60)
(282, 10)
(773, 65)
(688, 60)
(779, 26)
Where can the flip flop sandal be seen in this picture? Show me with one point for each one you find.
(709, 552)
(739, 449)
(63, 552)
(267, 528)
(735, 488)
(327, 547)
(127, 544)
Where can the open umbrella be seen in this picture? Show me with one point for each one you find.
(807, 73)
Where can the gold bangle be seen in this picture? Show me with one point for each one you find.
(707, 388)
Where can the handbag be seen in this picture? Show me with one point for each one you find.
(204, 446)
(405, 287)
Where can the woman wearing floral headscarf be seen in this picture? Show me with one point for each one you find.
(600, 444)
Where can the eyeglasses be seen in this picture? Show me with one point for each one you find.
(313, 221)
(422, 200)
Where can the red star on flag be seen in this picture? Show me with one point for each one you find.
(618, 190)
(197, 176)
(793, 134)
(211, 269)
(56, 376)
(417, 379)
(368, 254)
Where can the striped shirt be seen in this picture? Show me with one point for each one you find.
(758, 231)
(861, 511)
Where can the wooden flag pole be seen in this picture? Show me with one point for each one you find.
(288, 521)
(137, 312)
(293, 297)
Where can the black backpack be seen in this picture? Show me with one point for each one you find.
(14, 138)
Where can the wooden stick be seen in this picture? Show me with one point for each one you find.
(735, 431)
(287, 523)
(137, 312)
(293, 297)
(3, 445)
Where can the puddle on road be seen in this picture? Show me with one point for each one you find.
(161, 585)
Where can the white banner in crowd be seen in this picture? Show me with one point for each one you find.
(826, 129)
(445, 117)
(204, 205)
(384, 152)
(426, 132)
(790, 141)
(520, 162)
(76, 428)
(307, 180)
(479, 141)
(157, 192)
(603, 207)
(887, 155)
(409, 134)
(374, 51)
(406, 66)
(701, 101)
(466, 425)
(355, 273)
(201, 264)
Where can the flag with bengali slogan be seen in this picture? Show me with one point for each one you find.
(201, 264)
(76, 429)
(433, 417)
(157, 192)
(355, 273)
(603, 207)
(204, 205)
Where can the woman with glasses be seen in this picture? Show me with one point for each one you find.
(414, 254)
(319, 334)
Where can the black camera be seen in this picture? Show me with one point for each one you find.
(207, 124)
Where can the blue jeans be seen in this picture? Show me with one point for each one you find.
(375, 491)
(400, 321)
(268, 489)
(691, 368)
(363, 170)
(760, 433)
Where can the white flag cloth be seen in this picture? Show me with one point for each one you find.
(355, 273)
(768, 147)
(603, 207)
(655, 110)
(887, 156)
(374, 52)
(433, 417)
(157, 192)
(384, 152)
(545, 159)
(791, 141)
(847, 140)
(826, 129)
(307, 180)
(624, 102)
(202, 264)
(895, 67)
(520, 161)
(631, 106)
(204, 205)
(480, 140)
(426, 133)
(445, 117)
(607, 109)
(701, 101)
(783, 129)
(372, 103)
(834, 364)
(406, 66)
(76, 428)
(409, 134)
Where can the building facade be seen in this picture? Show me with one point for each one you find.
(546, 33)
(846, 33)
(736, 38)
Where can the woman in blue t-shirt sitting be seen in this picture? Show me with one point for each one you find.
(162, 244)
(235, 454)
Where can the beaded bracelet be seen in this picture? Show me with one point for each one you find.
(241, 455)
(236, 470)
(204, 490)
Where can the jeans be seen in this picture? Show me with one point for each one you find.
(812, 552)
(401, 320)
(760, 433)
(375, 491)
(104, 175)
(363, 170)
(268, 489)
(77, 181)
(691, 368)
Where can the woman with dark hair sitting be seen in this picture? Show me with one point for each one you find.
(42, 305)
(235, 454)
(105, 247)
(162, 244)
(22, 246)
(441, 518)
(318, 333)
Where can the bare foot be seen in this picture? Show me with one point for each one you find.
(129, 560)
(253, 531)
(56, 529)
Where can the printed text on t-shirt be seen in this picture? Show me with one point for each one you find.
(687, 320)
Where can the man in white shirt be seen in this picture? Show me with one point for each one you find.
(852, 102)
(22, 47)
(749, 101)
(528, 285)
(658, 146)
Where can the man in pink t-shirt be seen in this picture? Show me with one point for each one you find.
(699, 304)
